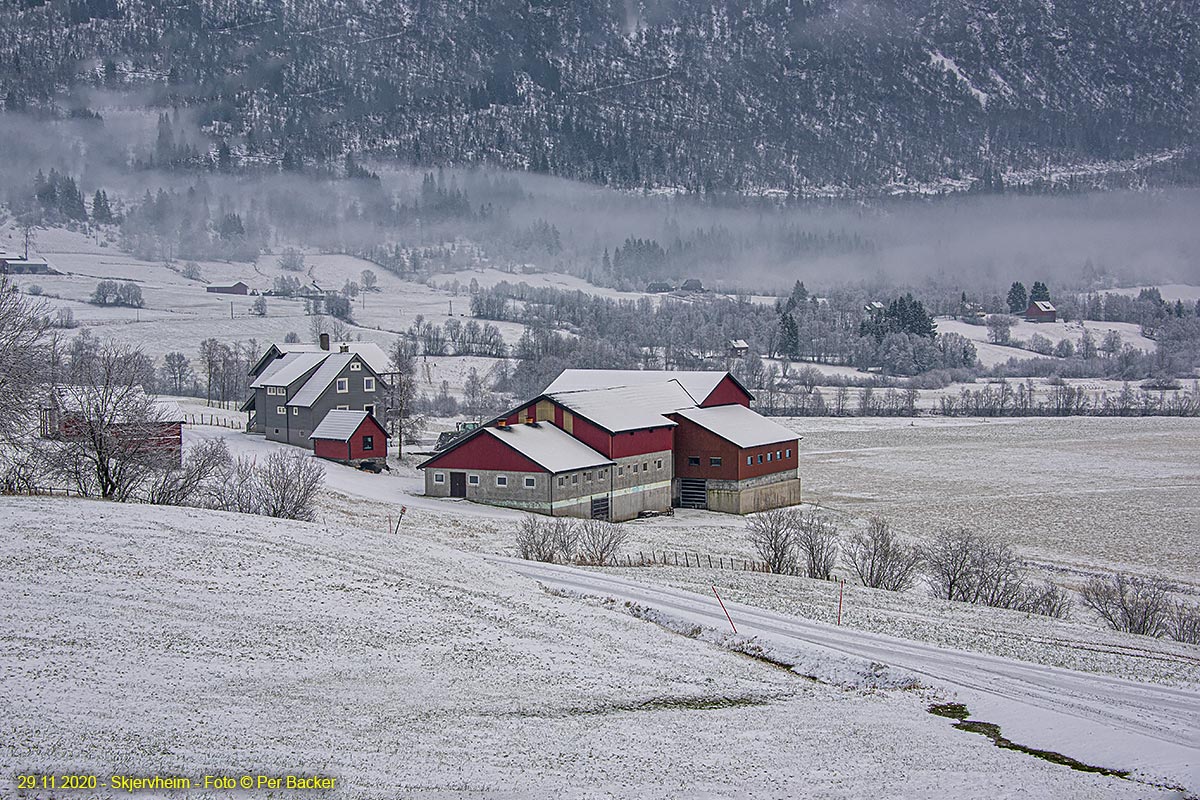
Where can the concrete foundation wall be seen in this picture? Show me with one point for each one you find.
(749, 496)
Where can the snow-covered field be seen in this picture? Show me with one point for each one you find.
(990, 354)
(142, 641)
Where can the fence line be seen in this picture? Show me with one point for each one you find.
(213, 419)
(49, 491)
(683, 558)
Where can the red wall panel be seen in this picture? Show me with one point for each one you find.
(635, 443)
(767, 467)
(693, 441)
(726, 393)
(338, 450)
(484, 451)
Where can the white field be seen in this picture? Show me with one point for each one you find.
(1169, 291)
(991, 354)
(143, 641)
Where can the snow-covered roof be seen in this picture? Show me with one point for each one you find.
(371, 353)
(339, 425)
(627, 408)
(698, 383)
(549, 446)
(739, 425)
(1044, 305)
(289, 369)
(331, 367)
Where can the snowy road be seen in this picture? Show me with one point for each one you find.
(1149, 729)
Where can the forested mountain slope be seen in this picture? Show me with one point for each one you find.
(745, 95)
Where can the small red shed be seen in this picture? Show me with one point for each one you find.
(350, 437)
(1041, 311)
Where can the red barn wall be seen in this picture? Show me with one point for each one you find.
(331, 449)
(636, 443)
(693, 440)
(726, 393)
(785, 462)
(483, 451)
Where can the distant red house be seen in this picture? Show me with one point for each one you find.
(1041, 311)
(71, 413)
(233, 288)
(350, 437)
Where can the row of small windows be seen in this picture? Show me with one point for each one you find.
(713, 461)
(343, 385)
(501, 480)
(779, 455)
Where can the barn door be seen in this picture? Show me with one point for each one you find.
(693, 493)
(600, 508)
(458, 484)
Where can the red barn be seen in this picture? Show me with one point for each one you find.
(1041, 311)
(350, 437)
(153, 425)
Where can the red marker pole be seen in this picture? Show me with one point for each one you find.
(841, 591)
(725, 610)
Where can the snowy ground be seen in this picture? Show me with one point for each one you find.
(145, 641)
(990, 354)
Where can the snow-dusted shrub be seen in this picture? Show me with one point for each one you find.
(200, 475)
(964, 566)
(1184, 623)
(1045, 599)
(774, 536)
(288, 484)
(1130, 604)
(881, 560)
(817, 542)
(535, 539)
(599, 542)
(565, 535)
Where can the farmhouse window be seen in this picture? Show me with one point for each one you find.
(368, 443)
(439, 477)
(502, 480)
(473, 480)
(530, 483)
(295, 411)
(355, 366)
(714, 461)
(343, 408)
(368, 384)
(280, 409)
(343, 385)
(693, 461)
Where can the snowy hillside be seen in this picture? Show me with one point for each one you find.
(141, 640)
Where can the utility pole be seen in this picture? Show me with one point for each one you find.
(231, 309)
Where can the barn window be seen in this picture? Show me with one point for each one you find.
(587, 476)
(368, 384)
(343, 385)
(714, 461)
(603, 473)
(749, 461)
(562, 481)
(760, 458)
(788, 452)
(530, 483)
(575, 478)
(280, 410)
(473, 480)
(769, 455)
(658, 464)
(502, 480)
(778, 455)
(635, 469)
(645, 466)
(439, 477)
(693, 461)
(368, 443)
(620, 471)
(355, 366)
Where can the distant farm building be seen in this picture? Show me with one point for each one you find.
(16, 265)
(691, 285)
(233, 288)
(351, 437)
(738, 347)
(294, 387)
(1041, 311)
(874, 307)
(615, 444)
(658, 287)
(68, 414)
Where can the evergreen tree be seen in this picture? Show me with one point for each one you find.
(1018, 300)
(1039, 292)
(101, 210)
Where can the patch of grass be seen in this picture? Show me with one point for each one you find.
(959, 712)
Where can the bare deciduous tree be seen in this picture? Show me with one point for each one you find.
(600, 542)
(1129, 603)
(198, 479)
(535, 540)
(288, 484)
(817, 541)
(774, 536)
(881, 560)
(22, 323)
(1184, 623)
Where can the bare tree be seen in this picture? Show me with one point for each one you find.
(288, 484)
(113, 436)
(600, 542)
(535, 539)
(1045, 599)
(197, 479)
(817, 541)
(881, 560)
(566, 538)
(950, 562)
(22, 323)
(774, 536)
(238, 489)
(1129, 603)
(1184, 623)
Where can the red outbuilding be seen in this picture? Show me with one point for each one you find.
(350, 437)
